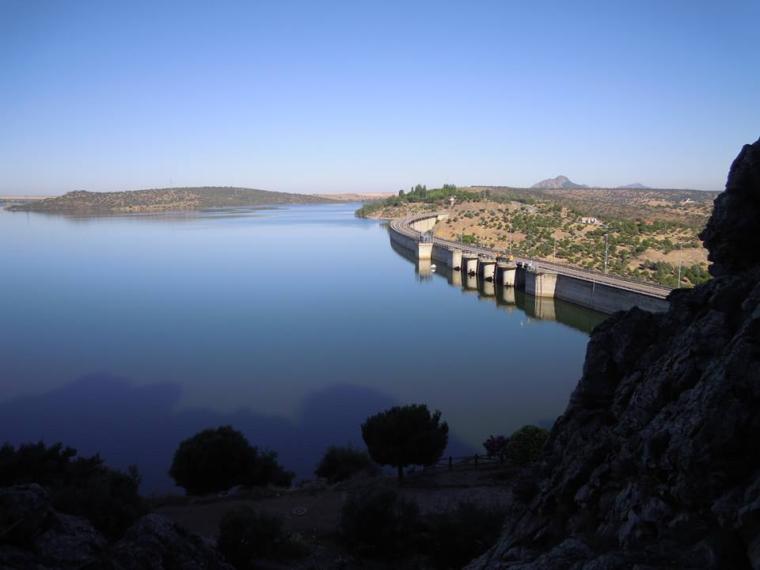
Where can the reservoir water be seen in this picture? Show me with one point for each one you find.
(124, 335)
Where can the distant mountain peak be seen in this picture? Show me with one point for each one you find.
(558, 182)
(635, 186)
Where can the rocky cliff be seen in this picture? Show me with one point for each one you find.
(656, 461)
(34, 535)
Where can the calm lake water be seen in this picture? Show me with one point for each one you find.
(124, 335)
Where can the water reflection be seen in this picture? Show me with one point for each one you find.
(130, 424)
(541, 308)
(301, 317)
(424, 268)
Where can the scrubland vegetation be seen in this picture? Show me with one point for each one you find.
(82, 203)
(376, 523)
(77, 485)
(647, 235)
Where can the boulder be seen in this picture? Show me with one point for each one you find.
(156, 543)
(24, 513)
(34, 536)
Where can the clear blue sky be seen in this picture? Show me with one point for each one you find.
(372, 96)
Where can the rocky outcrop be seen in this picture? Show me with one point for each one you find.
(656, 461)
(35, 536)
(154, 542)
(733, 232)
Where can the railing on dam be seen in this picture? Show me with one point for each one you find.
(464, 462)
(404, 227)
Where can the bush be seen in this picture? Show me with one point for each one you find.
(525, 445)
(458, 536)
(405, 435)
(341, 463)
(380, 524)
(245, 535)
(216, 459)
(81, 486)
(495, 445)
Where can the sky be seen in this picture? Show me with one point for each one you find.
(372, 96)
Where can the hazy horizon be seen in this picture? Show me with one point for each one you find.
(326, 193)
(335, 97)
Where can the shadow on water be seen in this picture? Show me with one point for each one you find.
(507, 298)
(139, 424)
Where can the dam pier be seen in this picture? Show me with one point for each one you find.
(537, 278)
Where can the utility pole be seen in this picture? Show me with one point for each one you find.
(606, 249)
(680, 259)
(554, 254)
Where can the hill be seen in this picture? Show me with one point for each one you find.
(635, 186)
(356, 196)
(691, 207)
(162, 200)
(558, 182)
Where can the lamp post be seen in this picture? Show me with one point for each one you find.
(606, 248)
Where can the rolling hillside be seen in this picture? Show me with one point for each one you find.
(162, 200)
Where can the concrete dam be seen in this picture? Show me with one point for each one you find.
(537, 278)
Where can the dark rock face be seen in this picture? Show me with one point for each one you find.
(34, 536)
(733, 233)
(656, 461)
(157, 543)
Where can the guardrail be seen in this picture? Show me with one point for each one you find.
(464, 462)
(402, 226)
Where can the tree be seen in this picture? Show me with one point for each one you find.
(341, 463)
(77, 485)
(405, 435)
(216, 459)
(495, 445)
(525, 445)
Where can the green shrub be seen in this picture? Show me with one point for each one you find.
(525, 445)
(341, 463)
(81, 486)
(246, 535)
(405, 435)
(379, 524)
(216, 459)
(456, 537)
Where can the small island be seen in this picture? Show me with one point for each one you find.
(162, 200)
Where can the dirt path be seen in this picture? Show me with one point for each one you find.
(316, 512)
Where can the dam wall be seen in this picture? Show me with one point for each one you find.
(406, 241)
(605, 298)
(541, 280)
(447, 256)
